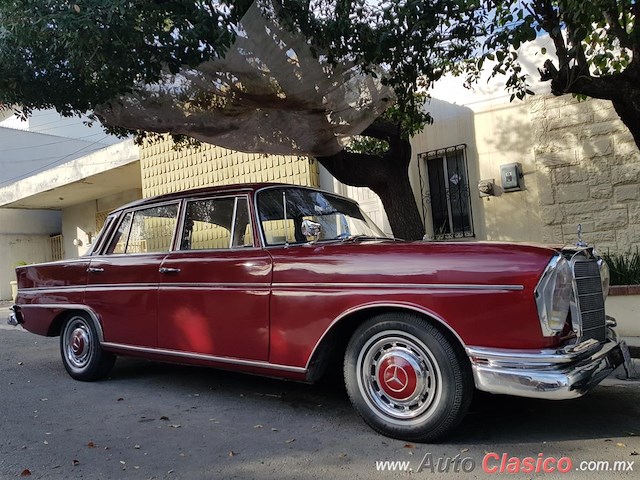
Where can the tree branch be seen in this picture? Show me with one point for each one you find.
(612, 17)
(551, 24)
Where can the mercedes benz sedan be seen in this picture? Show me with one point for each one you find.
(283, 281)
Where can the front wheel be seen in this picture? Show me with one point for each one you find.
(82, 356)
(406, 379)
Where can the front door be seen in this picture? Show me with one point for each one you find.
(214, 290)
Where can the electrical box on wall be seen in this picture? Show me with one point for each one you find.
(511, 175)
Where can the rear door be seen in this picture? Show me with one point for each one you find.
(122, 283)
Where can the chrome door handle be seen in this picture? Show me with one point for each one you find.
(95, 269)
(169, 270)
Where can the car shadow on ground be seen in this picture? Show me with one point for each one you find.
(608, 411)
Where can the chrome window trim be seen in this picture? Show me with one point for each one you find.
(145, 206)
(103, 235)
(209, 358)
(263, 237)
(183, 213)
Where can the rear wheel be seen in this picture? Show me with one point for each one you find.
(406, 379)
(82, 356)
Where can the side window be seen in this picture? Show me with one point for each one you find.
(147, 230)
(216, 223)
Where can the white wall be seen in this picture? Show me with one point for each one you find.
(15, 249)
(24, 237)
(14, 220)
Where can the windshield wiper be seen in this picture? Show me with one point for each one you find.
(361, 237)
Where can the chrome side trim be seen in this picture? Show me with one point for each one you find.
(202, 356)
(279, 286)
(416, 286)
(71, 306)
(149, 286)
(371, 306)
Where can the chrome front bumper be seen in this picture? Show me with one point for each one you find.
(560, 374)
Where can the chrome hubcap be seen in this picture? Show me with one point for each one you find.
(77, 346)
(398, 376)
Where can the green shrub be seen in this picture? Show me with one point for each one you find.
(624, 268)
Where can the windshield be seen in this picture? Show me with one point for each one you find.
(300, 215)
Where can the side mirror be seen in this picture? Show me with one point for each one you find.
(311, 229)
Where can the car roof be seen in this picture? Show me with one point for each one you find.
(237, 188)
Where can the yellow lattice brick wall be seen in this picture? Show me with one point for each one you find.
(165, 170)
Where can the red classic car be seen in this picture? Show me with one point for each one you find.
(282, 280)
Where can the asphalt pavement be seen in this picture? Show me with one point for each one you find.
(156, 421)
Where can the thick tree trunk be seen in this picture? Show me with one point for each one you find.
(629, 113)
(387, 175)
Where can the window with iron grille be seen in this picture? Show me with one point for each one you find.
(445, 185)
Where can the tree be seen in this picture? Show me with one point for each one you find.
(82, 56)
(597, 44)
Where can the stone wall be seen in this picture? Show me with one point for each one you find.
(588, 172)
(165, 169)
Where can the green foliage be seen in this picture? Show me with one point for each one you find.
(412, 42)
(591, 39)
(624, 268)
(79, 54)
(368, 145)
(76, 55)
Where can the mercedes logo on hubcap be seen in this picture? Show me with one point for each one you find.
(396, 378)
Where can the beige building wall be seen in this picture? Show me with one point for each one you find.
(81, 222)
(166, 170)
(588, 172)
(493, 135)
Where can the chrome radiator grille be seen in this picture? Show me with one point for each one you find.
(590, 300)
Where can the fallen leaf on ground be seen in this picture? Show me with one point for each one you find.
(25, 473)
(620, 444)
(409, 445)
(91, 445)
(75, 462)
